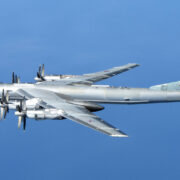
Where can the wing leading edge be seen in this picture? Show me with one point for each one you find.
(76, 113)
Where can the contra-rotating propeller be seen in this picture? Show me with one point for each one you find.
(22, 114)
(15, 79)
(41, 72)
(4, 104)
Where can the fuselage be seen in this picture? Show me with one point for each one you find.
(100, 94)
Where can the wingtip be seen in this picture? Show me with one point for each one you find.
(120, 135)
(135, 64)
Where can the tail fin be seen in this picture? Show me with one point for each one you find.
(173, 86)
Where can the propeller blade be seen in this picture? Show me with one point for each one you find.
(13, 78)
(38, 75)
(19, 121)
(2, 112)
(24, 123)
(40, 70)
(5, 111)
(7, 97)
(2, 98)
(43, 70)
(18, 80)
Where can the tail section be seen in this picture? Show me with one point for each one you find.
(173, 86)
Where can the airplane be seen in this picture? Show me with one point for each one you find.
(77, 97)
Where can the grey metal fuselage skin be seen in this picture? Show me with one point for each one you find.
(100, 94)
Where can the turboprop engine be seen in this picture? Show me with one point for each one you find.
(42, 77)
(30, 104)
(23, 111)
(44, 114)
(33, 103)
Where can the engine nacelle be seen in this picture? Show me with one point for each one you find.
(33, 103)
(30, 104)
(44, 114)
(53, 77)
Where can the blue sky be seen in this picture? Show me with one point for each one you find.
(75, 37)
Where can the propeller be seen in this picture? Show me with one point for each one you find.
(22, 114)
(4, 104)
(15, 79)
(41, 72)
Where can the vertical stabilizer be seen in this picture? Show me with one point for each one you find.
(173, 86)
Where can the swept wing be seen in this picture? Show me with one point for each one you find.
(89, 79)
(71, 111)
(95, 77)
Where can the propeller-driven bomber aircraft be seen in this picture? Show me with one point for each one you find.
(76, 97)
